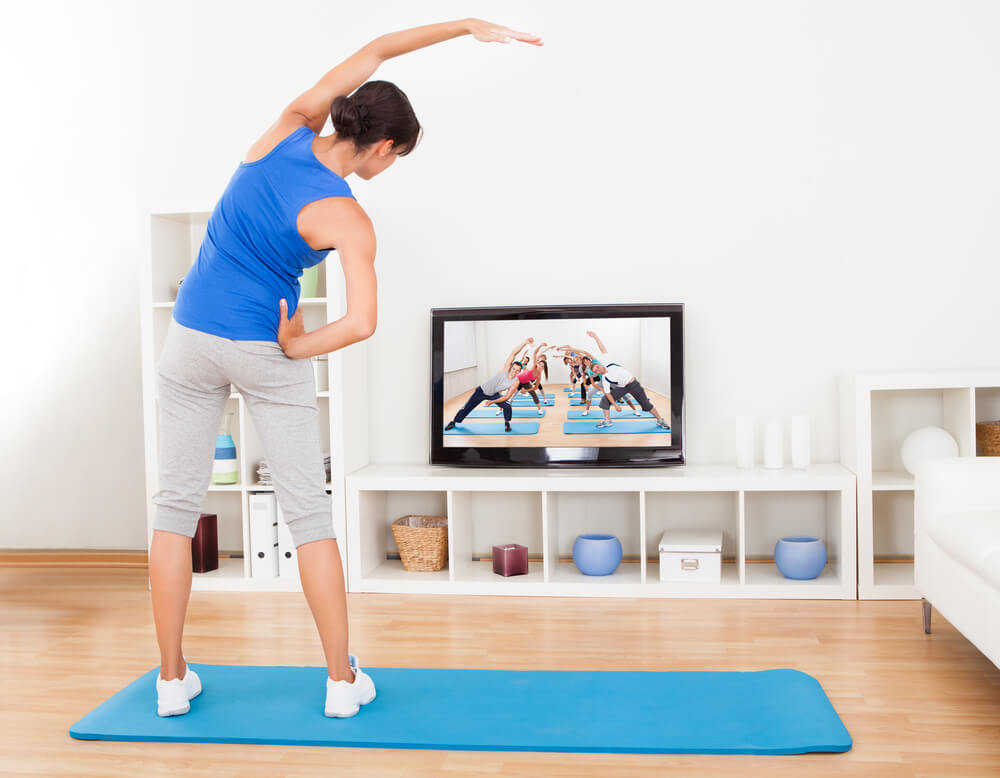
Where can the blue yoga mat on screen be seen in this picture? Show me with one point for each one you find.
(575, 400)
(621, 427)
(768, 712)
(518, 413)
(597, 413)
(494, 428)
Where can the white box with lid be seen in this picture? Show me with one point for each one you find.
(691, 555)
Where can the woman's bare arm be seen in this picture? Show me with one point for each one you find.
(583, 352)
(354, 237)
(600, 345)
(313, 106)
(512, 354)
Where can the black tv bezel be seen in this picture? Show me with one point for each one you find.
(545, 456)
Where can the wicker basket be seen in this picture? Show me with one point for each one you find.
(422, 541)
(988, 433)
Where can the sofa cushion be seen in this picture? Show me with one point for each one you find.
(971, 538)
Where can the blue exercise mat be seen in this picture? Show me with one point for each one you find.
(520, 402)
(767, 712)
(620, 427)
(519, 413)
(596, 400)
(494, 428)
(596, 412)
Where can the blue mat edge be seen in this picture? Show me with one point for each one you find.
(825, 748)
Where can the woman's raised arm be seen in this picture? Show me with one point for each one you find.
(312, 107)
(512, 354)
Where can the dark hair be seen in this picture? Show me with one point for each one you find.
(544, 362)
(376, 111)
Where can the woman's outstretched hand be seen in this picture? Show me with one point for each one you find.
(497, 33)
(289, 330)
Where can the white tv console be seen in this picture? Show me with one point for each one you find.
(546, 509)
(542, 509)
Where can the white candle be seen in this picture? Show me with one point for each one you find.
(800, 442)
(774, 452)
(744, 442)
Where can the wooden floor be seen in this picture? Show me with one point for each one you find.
(914, 704)
(550, 427)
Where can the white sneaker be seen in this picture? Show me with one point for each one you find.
(344, 699)
(499, 412)
(172, 697)
(586, 412)
(636, 412)
(541, 412)
(603, 424)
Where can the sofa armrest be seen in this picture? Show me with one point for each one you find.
(944, 486)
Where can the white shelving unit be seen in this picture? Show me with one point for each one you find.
(878, 411)
(172, 241)
(546, 509)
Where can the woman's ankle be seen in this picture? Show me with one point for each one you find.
(169, 672)
(346, 674)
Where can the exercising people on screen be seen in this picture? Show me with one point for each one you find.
(530, 378)
(619, 383)
(590, 384)
(572, 361)
(490, 390)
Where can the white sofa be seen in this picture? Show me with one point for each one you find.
(957, 546)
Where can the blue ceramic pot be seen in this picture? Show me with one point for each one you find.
(801, 558)
(597, 554)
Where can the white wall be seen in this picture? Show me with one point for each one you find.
(71, 471)
(818, 182)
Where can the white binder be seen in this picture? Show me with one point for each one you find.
(263, 536)
(288, 558)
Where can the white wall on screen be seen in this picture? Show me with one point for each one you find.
(620, 338)
(654, 372)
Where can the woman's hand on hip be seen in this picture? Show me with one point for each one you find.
(290, 330)
(497, 33)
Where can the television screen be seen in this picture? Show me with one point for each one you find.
(558, 386)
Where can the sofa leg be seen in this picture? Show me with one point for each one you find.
(927, 615)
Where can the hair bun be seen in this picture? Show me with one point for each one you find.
(350, 119)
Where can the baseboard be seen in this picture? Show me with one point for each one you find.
(69, 558)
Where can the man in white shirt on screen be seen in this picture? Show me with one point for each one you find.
(618, 382)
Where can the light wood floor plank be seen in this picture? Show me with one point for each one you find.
(914, 704)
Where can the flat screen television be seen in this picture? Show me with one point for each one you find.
(558, 386)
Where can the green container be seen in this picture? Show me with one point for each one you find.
(308, 281)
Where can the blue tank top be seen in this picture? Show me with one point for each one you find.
(252, 254)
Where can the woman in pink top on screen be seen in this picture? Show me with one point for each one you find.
(530, 379)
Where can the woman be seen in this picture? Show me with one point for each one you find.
(286, 205)
(491, 389)
(574, 371)
(530, 378)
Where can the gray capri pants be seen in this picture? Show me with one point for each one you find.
(633, 388)
(193, 378)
